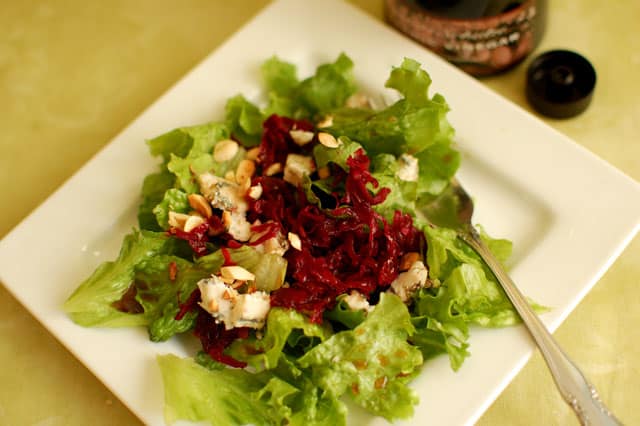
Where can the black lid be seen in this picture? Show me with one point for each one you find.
(560, 83)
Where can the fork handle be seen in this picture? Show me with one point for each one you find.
(571, 383)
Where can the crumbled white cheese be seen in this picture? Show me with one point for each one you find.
(357, 302)
(408, 168)
(214, 301)
(239, 227)
(223, 194)
(227, 306)
(252, 309)
(296, 167)
(406, 283)
(277, 244)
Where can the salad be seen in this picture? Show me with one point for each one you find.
(288, 239)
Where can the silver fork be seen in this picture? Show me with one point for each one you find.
(454, 209)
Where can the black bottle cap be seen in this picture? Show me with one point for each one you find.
(560, 83)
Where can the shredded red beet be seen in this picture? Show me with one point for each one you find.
(215, 338)
(188, 305)
(268, 230)
(277, 143)
(346, 247)
(351, 247)
(197, 238)
(227, 257)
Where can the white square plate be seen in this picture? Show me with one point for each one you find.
(569, 213)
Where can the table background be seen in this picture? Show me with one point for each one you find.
(74, 73)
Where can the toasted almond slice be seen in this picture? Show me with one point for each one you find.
(228, 281)
(328, 140)
(225, 150)
(244, 186)
(255, 192)
(192, 223)
(273, 169)
(408, 259)
(327, 121)
(200, 204)
(177, 220)
(245, 170)
(324, 172)
(237, 273)
(252, 154)
(295, 241)
(301, 137)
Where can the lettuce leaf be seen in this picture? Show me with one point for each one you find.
(465, 293)
(160, 296)
(416, 124)
(91, 304)
(280, 77)
(384, 168)
(199, 158)
(338, 156)
(264, 353)
(173, 200)
(344, 315)
(153, 189)
(371, 362)
(284, 395)
(328, 88)
(222, 397)
(244, 120)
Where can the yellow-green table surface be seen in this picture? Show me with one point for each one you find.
(74, 73)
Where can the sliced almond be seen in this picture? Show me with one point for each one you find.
(325, 122)
(408, 259)
(192, 223)
(230, 176)
(245, 171)
(244, 186)
(273, 169)
(324, 172)
(177, 220)
(328, 140)
(253, 153)
(225, 150)
(228, 281)
(255, 192)
(295, 241)
(200, 204)
(301, 137)
(237, 273)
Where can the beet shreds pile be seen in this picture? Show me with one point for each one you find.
(343, 248)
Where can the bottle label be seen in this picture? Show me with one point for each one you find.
(480, 46)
